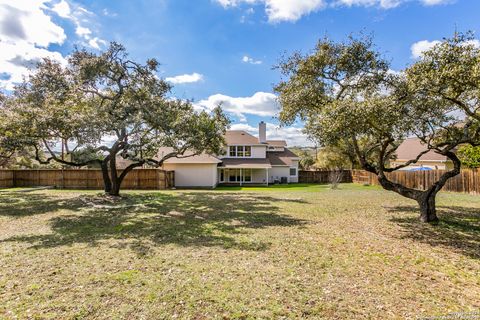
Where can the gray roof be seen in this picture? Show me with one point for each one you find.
(283, 158)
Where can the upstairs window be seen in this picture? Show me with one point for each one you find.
(233, 151)
(240, 151)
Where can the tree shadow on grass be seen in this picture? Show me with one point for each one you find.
(145, 220)
(458, 229)
(19, 204)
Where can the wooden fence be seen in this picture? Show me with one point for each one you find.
(85, 179)
(322, 176)
(468, 181)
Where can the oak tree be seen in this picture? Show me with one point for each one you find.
(347, 95)
(105, 107)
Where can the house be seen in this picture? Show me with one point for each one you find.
(247, 160)
(411, 148)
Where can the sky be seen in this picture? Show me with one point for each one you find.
(223, 51)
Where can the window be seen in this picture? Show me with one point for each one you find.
(236, 175)
(240, 151)
(293, 171)
(247, 175)
(232, 177)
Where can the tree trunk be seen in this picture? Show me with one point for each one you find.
(428, 212)
(115, 188)
(425, 199)
(115, 191)
(107, 183)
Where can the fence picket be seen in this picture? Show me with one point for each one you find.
(83, 178)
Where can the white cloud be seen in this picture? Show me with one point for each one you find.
(261, 104)
(62, 9)
(96, 43)
(27, 21)
(418, 48)
(435, 2)
(247, 59)
(474, 42)
(78, 15)
(289, 10)
(281, 10)
(185, 78)
(83, 31)
(384, 4)
(26, 31)
(293, 135)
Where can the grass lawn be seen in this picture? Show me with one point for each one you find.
(298, 252)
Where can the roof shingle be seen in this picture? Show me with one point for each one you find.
(412, 147)
(283, 158)
(240, 137)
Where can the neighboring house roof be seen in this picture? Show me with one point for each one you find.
(187, 157)
(277, 143)
(245, 163)
(283, 158)
(233, 137)
(412, 147)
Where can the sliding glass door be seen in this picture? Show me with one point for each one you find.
(235, 175)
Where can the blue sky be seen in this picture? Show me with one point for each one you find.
(223, 50)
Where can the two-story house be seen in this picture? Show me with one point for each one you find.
(247, 160)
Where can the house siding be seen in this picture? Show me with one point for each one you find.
(194, 175)
(259, 152)
(277, 172)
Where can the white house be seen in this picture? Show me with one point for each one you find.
(247, 160)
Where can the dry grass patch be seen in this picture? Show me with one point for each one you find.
(304, 252)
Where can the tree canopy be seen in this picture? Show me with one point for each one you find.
(348, 95)
(470, 156)
(104, 107)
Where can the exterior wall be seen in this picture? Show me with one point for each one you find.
(259, 152)
(276, 173)
(194, 175)
(294, 179)
(435, 165)
(259, 175)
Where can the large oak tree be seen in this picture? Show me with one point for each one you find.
(112, 108)
(347, 95)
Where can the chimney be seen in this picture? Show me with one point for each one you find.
(262, 132)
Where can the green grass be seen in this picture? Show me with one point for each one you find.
(284, 252)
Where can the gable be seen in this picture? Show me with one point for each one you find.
(240, 137)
